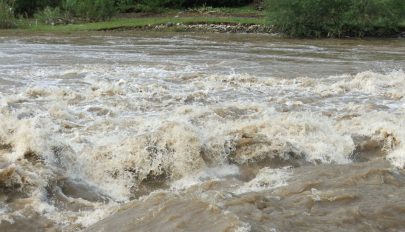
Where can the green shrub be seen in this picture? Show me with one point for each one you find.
(69, 6)
(125, 5)
(50, 15)
(158, 5)
(90, 10)
(7, 19)
(374, 17)
(336, 18)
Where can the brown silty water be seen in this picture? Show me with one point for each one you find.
(201, 132)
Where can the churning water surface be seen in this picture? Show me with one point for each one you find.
(201, 132)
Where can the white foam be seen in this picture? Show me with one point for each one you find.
(209, 174)
(149, 133)
(245, 227)
(397, 157)
(267, 179)
(87, 219)
(4, 216)
(389, 85)
(384, 126)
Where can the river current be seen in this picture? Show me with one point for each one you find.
(201, 132)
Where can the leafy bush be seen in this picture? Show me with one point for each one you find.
(336, 18)
(91, 10)
(158, 5)
(50, 15)
(125, 5)
(7, 19)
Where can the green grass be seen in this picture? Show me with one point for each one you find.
(137, 22)
(244, 10)
(242, 15)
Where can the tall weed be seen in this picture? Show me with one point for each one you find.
(7, 18)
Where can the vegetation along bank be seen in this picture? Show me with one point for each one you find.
(295, 18)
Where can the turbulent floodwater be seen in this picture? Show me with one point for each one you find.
(215, 132)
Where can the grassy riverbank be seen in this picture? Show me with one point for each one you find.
(117, 23)
(246, 15)
(145, 21)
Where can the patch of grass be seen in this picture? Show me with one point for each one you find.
(241, 10)
(235, 11)
(138, 22)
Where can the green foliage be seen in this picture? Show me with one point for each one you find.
(95, 10)
(7, 19)
(90, 10)
(216, 3)
(125, 5)
(29, 7)
(157, 5)
(374, 17)
(336, 18)
(50, 15)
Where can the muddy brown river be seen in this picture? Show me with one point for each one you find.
(135, 131)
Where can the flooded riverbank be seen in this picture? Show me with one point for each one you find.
(201, 132)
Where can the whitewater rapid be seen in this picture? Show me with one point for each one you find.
(243, 134)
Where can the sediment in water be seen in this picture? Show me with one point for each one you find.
(156, 146)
